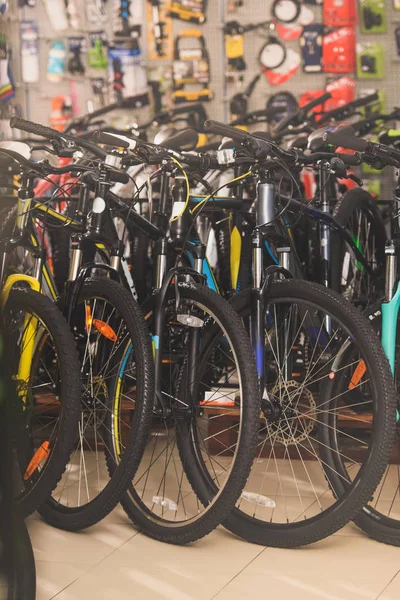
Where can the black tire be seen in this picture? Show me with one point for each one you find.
(218, 503)
(375, 523)
(358, 288)
(61, 512)
(348, 504)
(37, 488)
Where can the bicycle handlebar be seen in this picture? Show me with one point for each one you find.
(52, 134)
(299, 115)
(347, 109)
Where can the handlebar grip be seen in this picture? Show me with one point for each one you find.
(35, 128)
(346, 140)
(351, 160)
(187, 139)
(201, 161)
(365, 100)
(211, 126)
(317, 101)
(103, 137)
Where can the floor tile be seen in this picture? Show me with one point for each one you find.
(392, 591)
(53, 577)
(340, 568)
(89, 546)
(150, 570)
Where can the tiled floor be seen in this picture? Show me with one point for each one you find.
(111, 561)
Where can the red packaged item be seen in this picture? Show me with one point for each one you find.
(340, 13)
(339, 51)
(343, 91)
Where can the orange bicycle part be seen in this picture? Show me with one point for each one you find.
(42, 453)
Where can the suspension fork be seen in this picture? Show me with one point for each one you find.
(199, 252)
(391, 304)
(158, 325)
(325, 237)
(257, 307)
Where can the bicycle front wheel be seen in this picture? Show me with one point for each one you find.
(110, 436)
(327, 419)
(45, 366)
(213, 428)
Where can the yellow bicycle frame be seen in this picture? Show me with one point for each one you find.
(29, 335)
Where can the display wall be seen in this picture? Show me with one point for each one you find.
(37, 80)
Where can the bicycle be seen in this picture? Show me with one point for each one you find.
(103, 317)
(379, 519)
(286, 318)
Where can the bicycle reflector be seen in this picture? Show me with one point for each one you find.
(358, 374)
(40, 455)
(105, 329)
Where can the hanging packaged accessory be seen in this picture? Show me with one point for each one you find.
(234, 43)
(96, 11)
(280, 105)
(7, 90)
(99, 89)
(98, 50)
(56, 61)
(158, 29)
(311, 47)
(29, 51)
(342, 90)
(373, 16)
(290, 17)
(191, 67)
(239, 103)
(234, 5)
(370, 61)
(73, 14)
(273, 53)
(397, 38)
(193, 11)
(3, 7)
(76, 46)
(339, 51)
(286, 70)
(340, 13)
(57, 14)
(286, 11)
(61, 112)
(128, 17)
(127, 74)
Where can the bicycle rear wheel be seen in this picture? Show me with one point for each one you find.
(358, 213)
(380, 518)
(324, 380)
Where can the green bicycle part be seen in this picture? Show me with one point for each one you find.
(390, 312)
(357, 243)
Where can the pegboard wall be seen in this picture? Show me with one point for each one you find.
(35, 99)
